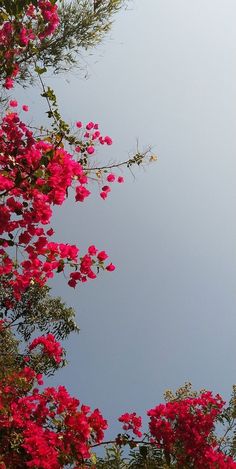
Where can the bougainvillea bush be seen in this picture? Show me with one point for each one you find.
(44, 427)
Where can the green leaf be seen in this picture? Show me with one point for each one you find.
(40, 70)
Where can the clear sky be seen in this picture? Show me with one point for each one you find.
(166, 75)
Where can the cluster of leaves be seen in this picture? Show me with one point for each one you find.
(143, 457)
(37, 312)
(83, 25)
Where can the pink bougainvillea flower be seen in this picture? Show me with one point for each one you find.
(13, 103)
(90, 150)
(111, 177)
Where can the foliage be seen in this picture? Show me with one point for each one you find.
(9, 352)
(83, 25)
(142, 457)
(37, 311)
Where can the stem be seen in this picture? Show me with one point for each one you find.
(230, 427)
(115, 165)
(47, 99)
(113, 442)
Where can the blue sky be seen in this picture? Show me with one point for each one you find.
(165, 75)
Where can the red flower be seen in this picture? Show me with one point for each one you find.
(132, 422)
(102, 256)
(13, 103)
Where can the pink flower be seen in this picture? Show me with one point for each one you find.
(90, 126)
(72, 283)
(39, 378)
(90, 150)
(13, 103)
(111, 177)
(120, 179)
(108, 140)
(106, 189)
(50, 346)
(103, 195)
(81, 193)
(79, 124)
(8, 83)
(75, 275)
(95, 135)
(83, 179)
(102, 256)
(92, 250)
(131, 422)
(25, 108)
(110, 267)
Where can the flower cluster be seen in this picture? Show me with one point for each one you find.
(131, 422)
(92, 136)
(34, 175)
(48, 429)
(106, 189)
(50, 347)
(183, 429)
(23, 32)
